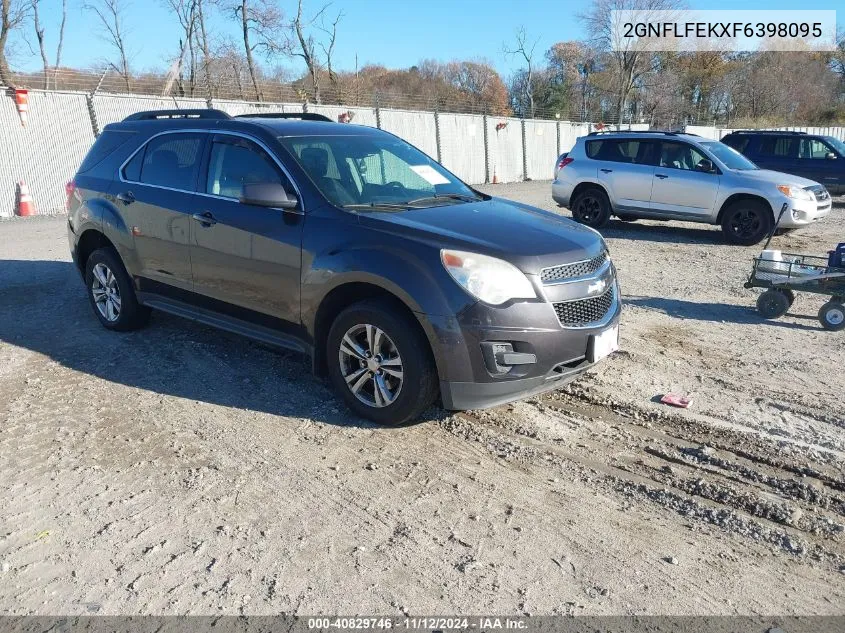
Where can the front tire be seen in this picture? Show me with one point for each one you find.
(111, 294)
(591, 207)
(832, 316)
(380, 362)
(747, 222)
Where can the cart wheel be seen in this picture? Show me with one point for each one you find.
(773, 303)
(832, 316)
(789, 295)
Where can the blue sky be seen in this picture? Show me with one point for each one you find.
(394, 33)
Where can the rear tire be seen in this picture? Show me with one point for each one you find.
(111, 293)
(380, 363)
(773, 304)
(591, 207)
(747, 222)
(832, 316)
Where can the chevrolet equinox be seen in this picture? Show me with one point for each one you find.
(347, 244)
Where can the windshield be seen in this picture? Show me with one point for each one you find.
(731, 158)
(357, 172)
(838, 145)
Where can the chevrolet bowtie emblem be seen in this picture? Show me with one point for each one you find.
(596, 287)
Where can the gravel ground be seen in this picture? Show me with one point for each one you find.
(183, 470)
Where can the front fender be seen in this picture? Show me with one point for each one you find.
(415, 278)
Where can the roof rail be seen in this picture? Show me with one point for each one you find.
(302, 116)
(154, 115)
(784, 132)
(664, 132)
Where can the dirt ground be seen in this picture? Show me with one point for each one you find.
(183, 470)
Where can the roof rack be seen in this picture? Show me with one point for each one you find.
(154, 115)
(302, 116)
(664, 132)
(784, 132)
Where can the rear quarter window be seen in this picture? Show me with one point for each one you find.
(105, 145)
(739, 143)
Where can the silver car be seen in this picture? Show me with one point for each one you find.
(674, 176)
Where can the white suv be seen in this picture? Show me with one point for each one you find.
(674, 176)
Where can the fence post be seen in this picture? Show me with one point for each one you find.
(486, 150)
(89, 100)
(524, 152)
(437, 135)
(378, 110)
(557, 131)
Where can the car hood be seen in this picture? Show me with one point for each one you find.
(528, 237)
(776, 177)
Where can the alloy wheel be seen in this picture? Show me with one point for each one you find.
(106, 292)
(588, 209)
(745, 223)
(371, 365)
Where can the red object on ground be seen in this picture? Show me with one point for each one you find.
(26, 206)
(676, 400)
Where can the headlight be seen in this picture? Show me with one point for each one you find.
(796, 193)
(492, 280)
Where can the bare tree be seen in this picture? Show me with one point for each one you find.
(12, 14)
(202, 36)
(260, 21)
(186, 13)
(42, 45)
(526, 51)
(301, 43)
(110, 15)
(328, 51)
(631, 62)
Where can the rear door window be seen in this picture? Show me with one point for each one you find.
(172, 161)
(633, 151)
(778, 147)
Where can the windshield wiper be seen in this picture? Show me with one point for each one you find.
(376, 205)
(445, 196)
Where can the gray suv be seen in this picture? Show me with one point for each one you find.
(673, 176)
(345, 243)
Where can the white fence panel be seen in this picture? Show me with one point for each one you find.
(236, 108)
(571, 132)
(360, 115)
(462, 146)
(415, 127)
(47, 152)
(111, 108)
(541, 148)
(505, 149)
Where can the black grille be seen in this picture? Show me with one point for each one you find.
(583, 312)
(820, 192)
(571, 271)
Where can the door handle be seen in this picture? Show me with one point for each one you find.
(206, 219)
(127, 197)
(661, 176)
(606, 171)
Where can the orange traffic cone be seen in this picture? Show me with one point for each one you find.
(495, 180)
(26, 207)
(22, 101)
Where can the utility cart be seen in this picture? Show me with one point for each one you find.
(784, 274)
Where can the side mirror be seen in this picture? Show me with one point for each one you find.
(705, 166)
(268, 194)
(830, 156)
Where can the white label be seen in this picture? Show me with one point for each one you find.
(605, 344)
(430, 175)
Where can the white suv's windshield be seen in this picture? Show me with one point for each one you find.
(731, 158)
(375, 171)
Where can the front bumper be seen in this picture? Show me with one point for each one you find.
(801, 213)
(561, 354)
